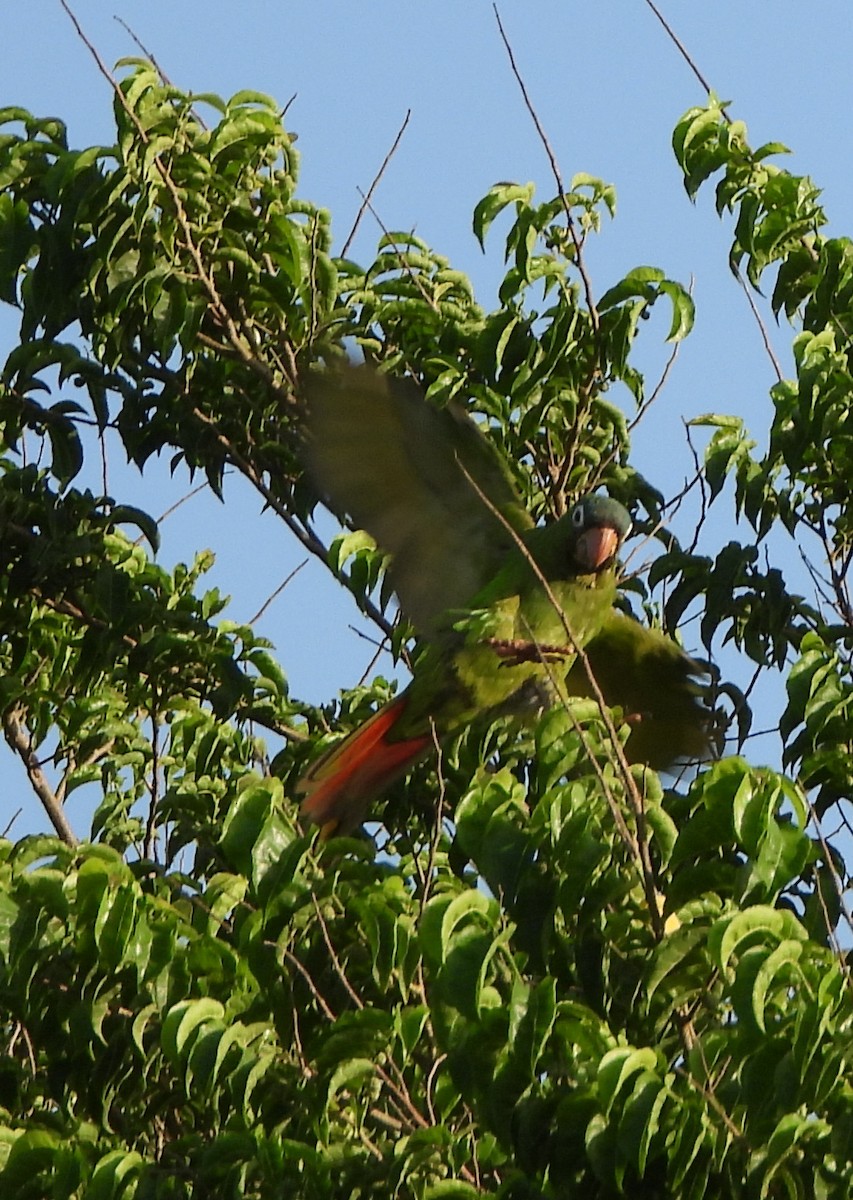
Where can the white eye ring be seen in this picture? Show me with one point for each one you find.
(578, 516)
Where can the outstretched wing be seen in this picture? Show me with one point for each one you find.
(650, 677)
(415, 477)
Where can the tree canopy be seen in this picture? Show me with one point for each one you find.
(551, 975)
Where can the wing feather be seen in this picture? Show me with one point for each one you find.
(411, 474)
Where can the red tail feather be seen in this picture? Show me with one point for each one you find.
(340, 785)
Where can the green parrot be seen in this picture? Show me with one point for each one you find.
(500, 605)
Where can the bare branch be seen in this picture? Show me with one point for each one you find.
(144, 50)
(253, 620)
(369, 196)
(765, 336)
(154, 788)
(11, 822)
(682, 49)
(312, 987)
(587, 283)
(21, 743)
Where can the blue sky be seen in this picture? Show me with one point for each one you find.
(608, 86)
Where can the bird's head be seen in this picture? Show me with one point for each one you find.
(600, 525)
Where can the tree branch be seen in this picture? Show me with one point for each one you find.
(366, 198)
(21, 743)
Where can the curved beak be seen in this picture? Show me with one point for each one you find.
(597, 547)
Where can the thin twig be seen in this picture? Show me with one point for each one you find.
(74, 765)
(253, 620)
(682, 49)
(333, 954)
(658, 388)
(369, 196)
(312, 987)
(307, 1073)
(102, 441)
(562, 474)
(154, 789)
(165, 78)
(201, 487)
(839, 888)
(838, 581)
(387, 1120)
(561, 191)
(437, 826)
(644, 407)
(404, 266)
(704, 498)
(377, 654)
(11, 822)
(174, 508)
(424, 876)
(714, 1102)
(430, 1085)
(765, 336)
(21, 1029)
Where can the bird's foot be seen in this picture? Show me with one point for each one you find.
(514, 651)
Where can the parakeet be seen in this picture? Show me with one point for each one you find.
(500, 605)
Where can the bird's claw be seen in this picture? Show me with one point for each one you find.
(514, 651)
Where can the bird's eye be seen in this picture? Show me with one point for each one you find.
(578, 516)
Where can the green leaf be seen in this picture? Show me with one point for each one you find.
(349, 1074)
(786, 955)
(126, 514)
(113, 1173)
(471, 907)
(754, 925)
(672, 953)
(640, 282)
(224, 892)
(115, 922)
(683, 310)
(641, 1119)
(182, 1021)
(495, 201)
(617, 1067)
(451, 1189)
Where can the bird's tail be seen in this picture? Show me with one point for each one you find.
(338, 787)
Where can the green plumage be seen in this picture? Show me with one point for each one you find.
(468, 565)
(408, 473)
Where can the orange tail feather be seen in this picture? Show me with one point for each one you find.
(339, 786)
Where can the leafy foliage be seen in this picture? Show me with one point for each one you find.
(587, 983)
